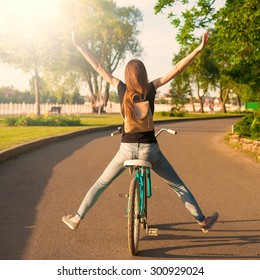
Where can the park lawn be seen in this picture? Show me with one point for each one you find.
(101, 120)
(11, 136)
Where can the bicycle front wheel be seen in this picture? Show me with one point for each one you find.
(133, 217)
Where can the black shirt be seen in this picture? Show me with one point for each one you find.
(140, 137)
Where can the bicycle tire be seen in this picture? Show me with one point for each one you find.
(133, 217)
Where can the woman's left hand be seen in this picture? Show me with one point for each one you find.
(74, 41)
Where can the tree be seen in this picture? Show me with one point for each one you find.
(108, 31)
(25, 46)
(181, 86)
(179, 91)
(9, 94)
(205, 73)
(199, 75)
(238, 36)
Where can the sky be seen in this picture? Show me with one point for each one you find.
(157, 38)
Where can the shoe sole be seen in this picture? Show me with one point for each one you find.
(210, 228)
(67, 222)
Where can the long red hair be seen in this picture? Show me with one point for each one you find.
(136, 83)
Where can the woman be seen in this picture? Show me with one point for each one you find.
(141, 145)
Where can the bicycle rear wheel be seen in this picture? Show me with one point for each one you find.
(133, 217)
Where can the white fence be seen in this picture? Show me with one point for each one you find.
(70, 109)
(27, 109)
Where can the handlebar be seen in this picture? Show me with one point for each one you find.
(167, 130)
(120, 130)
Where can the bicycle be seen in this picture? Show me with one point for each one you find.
(140, 190)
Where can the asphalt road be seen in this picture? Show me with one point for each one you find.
(38, 188)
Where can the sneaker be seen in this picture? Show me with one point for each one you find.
(69, 223)
(208, 223)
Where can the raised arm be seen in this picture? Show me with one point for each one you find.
(179, 67)
(92, 60)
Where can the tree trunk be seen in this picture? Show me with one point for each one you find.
(223, 107)
(192, 103)
(239, 102)
(201, 104)
(223, 98)
(106, 97)
(200, 99)
(36, 90)
(191, 98)
(93, 96)
(226, 93)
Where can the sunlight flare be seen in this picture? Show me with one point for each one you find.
(28, 13)
(29, 8)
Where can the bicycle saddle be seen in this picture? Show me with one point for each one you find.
(137, 162)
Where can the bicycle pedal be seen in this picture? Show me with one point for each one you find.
(153, 231)
(124, 195)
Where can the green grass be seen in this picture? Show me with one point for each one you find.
(13, 136)
(101, 120)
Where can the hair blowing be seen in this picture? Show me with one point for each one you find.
(136, 83)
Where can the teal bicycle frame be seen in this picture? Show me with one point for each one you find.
(143, 177)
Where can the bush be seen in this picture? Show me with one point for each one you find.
(163, 114)
(249, 126)
(255, 128)
(43, 121)
(170, 114)
(177, 114)
(10, 121)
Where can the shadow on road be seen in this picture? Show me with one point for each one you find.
(221, 239)
(23, 183)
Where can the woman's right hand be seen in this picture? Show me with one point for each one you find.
(73, 37)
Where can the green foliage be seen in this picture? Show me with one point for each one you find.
(232, 54)
(8, 94)
(163, 101)
(194, 15)
(43, 121)
(170, 114)
(238, 37)
(109, 31)
(10, 121)
(161, 114)
(249, 126)
(61, 96)
(180, 90)
(176, 113)
(113, 96)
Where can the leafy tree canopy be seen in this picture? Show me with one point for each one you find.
(235, 37)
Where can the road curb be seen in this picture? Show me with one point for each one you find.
(27, 147)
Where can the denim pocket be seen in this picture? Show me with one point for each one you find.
(127, 151)
(150, 152)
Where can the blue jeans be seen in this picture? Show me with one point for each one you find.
(160, 165)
